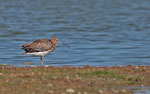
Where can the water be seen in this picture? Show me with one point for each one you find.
(99, 32)
(139, 90)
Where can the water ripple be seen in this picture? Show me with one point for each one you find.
(99, 32)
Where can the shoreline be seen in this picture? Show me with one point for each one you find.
(73, 80)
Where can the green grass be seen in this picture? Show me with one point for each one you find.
(106, 74)
(93, 80)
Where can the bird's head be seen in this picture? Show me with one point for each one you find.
(54, 39)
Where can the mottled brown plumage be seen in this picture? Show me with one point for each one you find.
(38, 46)
(41, 47)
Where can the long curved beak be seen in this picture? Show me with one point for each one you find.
(63, 43)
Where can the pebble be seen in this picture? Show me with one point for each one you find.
(67, 77)
(114, 79)
(114, 90)
(85, 93)
(63, 93)
(100, 91)
(1, 73)
(49, 85)
(123, 90)
(70, 90)
(46, 66)
(50, 92)
(136, 67)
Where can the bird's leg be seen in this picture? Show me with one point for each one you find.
(42, 60)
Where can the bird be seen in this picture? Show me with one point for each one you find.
(41, 47)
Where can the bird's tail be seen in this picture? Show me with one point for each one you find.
(23, 54)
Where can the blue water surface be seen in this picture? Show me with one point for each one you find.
(99, 32)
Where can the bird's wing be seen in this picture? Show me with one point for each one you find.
(23, 46)
(38, 46)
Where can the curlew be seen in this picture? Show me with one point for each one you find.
(41, 47)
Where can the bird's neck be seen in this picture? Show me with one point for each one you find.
(54, 43)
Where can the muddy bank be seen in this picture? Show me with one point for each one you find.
(72, 80)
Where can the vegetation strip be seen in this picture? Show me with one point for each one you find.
(72, 80)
